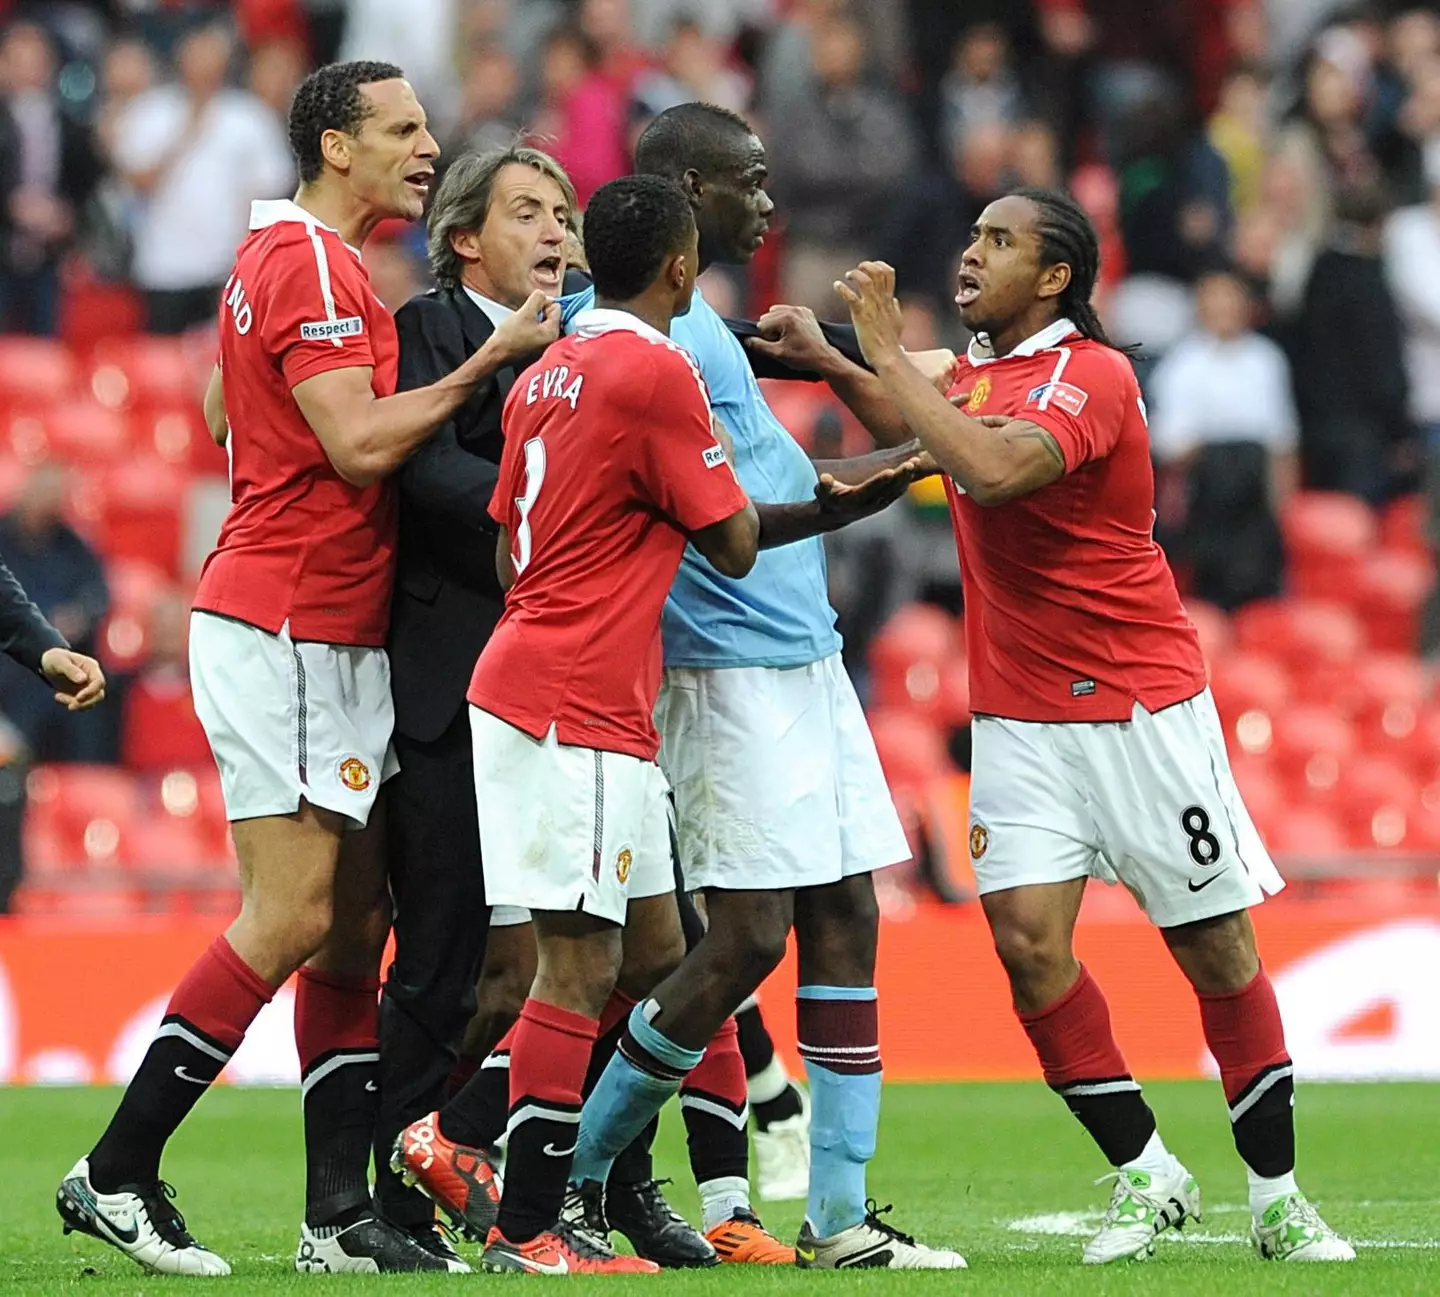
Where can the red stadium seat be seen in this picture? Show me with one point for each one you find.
(1389, 592)
(911, 750)
(1312, 744)
(798, 405)
(34, 372)
(908, 655)
(1250, 690)
(1327, 535)
(1404, 525)
(1261, 788)
(1307, 832)
(1390, 692)
(90, 808)
(142, 513)
(160, 730)
(1300, 631)
(135, 588)
(178, 435)
(162, 845)
(143, 371)
(87, 433)
(1213, 627)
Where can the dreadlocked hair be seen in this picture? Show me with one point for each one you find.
(1067, 234)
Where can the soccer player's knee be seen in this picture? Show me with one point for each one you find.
(648, 963)
(762, 949)
(1029, 951)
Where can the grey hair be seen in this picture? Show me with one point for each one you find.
(463, 201)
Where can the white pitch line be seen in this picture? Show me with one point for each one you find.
(1081, 1224)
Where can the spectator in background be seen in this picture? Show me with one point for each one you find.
(396, 272)
(841, 161)
(1175, 213)
(981, 88)
(48, 169)
(197, 153)
(1348, 357)
(1412, 267)
(1239, 131)
(276, 70)
(581, 118)
(65, 579)
(489, 103)
(1417, 133)
(787, 64)
(159, 729)
(693, 70)
(1222, 416)
(417, 35)
(621, 59)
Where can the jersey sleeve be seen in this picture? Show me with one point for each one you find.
(317, 316)
(1083, 404)
(682, 466)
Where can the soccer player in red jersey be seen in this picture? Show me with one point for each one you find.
(291, 679)
(1097, 749)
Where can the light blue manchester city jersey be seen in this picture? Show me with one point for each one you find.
(779, 615)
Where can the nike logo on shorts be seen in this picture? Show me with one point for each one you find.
(185, 1076)
(551, 1151)
(1200, 887)
(370, 1087)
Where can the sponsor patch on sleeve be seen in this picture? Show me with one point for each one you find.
(714, 456)
(352, 326)
(1063, 396)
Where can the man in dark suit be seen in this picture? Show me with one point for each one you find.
(48, 169)
(497, 230)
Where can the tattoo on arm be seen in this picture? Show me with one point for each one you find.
(1052, 447)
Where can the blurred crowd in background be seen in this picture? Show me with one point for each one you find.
(1264, 174)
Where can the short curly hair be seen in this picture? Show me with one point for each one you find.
(631, 226)
(329, 99)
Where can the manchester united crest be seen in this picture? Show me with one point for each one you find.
(354, 774)
(622, 865)
(979, 840)
(979, 394)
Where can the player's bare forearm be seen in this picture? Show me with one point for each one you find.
(865, 397)
(853, 471)
(214, 407)
(368, 437)
(504, 562)
(993, 465)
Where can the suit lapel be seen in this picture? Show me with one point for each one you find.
(476, 327)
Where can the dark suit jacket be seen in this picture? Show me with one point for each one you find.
(447, 596)
(24, 633)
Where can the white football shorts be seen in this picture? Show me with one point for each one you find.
(1148, 802)
(567, 828)
(289, 721)
(777, 782)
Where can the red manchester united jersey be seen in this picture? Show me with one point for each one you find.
(609, 463)
(300, 544)
(1071, 612)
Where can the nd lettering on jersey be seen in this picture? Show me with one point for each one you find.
(554, 384)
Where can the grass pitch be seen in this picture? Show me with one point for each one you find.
(1000, 1171)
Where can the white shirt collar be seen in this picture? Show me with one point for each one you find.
(1048, 337)
(496, 312)
(271, 211)
(596, 320)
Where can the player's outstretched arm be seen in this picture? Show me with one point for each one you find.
(994, 464)
(792, 335)
(367, 437)
(731, 544)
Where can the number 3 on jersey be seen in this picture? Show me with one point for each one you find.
(534, 479)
